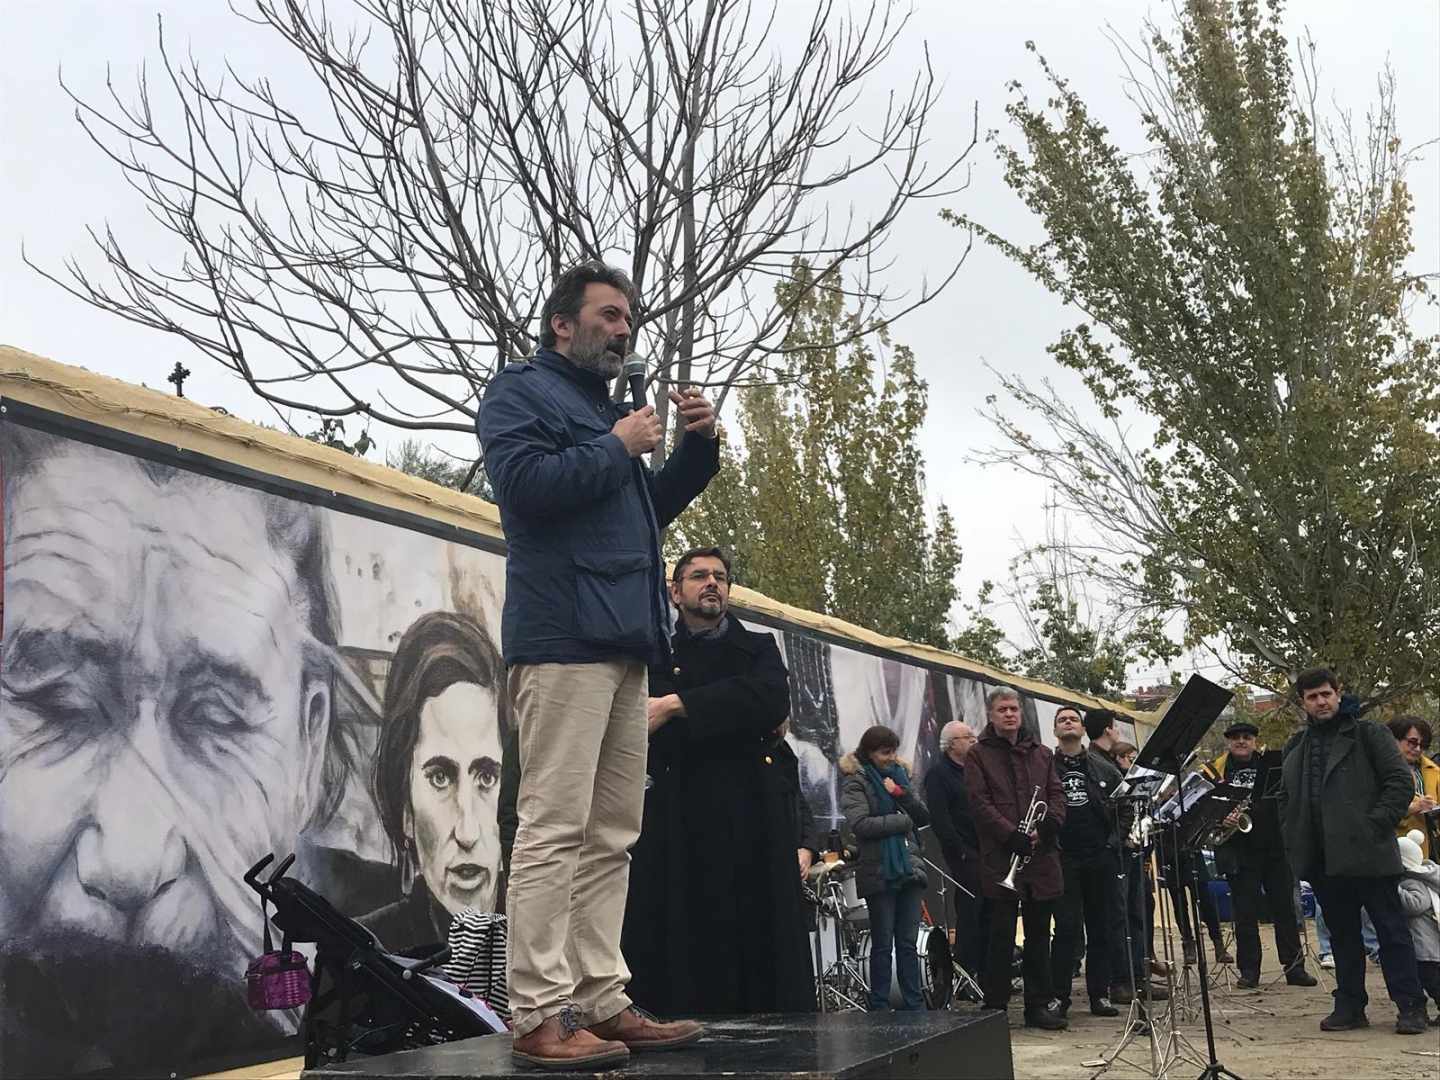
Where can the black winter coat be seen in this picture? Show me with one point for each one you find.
(948, 800)
(714, 921)
(1366, 790)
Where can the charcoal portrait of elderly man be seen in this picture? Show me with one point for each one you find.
(165, 720)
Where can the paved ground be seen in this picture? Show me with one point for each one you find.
(1283, 1041)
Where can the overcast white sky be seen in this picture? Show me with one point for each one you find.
(53, 184)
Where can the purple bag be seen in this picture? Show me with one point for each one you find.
(277, 980)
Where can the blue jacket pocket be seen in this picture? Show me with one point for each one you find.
(613, 602)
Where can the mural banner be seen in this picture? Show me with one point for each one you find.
(203, 663)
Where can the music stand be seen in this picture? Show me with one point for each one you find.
(1181, 727)
(1268, 776)
(1185, 722)
(1195, 822)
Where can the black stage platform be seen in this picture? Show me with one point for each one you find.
(967, 1045)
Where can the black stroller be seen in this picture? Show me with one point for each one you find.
(365, 1000)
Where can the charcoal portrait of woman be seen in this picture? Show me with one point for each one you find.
(436, 778)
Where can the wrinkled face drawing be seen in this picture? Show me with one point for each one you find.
(455, 795)
(161, 725)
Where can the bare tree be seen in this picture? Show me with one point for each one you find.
(382, 248)
(1074, 631)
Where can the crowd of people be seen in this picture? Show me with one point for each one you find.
(1348, 806)
(716, 923)
(661, 838)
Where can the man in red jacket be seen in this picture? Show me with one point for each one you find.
(1004, 770)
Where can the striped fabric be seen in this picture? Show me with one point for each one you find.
(477, 957)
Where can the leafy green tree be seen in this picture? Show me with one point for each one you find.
(1072, 637)
(823, 502)
(1067, 650)
(1242, 286)
(980, 636)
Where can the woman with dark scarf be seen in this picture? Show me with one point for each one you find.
(882, 813)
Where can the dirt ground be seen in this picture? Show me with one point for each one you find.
(1268, 1034)
(1273, 1032)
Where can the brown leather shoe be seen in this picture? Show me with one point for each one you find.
(561, 1043)
(638, 1030)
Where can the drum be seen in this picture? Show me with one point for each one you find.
(936, 967)
(925, 941)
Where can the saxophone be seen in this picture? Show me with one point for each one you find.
(1221, 833)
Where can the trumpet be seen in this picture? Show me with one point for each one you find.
(1033, 816)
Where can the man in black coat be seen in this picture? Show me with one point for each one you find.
(948, 800)
(1345, 787)
(714, 922)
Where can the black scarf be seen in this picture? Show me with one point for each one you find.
(715, 633)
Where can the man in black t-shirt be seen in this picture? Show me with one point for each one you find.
(1087, 858)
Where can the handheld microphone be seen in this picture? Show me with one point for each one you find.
(635, 365)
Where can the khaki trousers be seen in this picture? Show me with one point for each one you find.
(583, 739)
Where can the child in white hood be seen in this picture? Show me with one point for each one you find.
(1420, 900)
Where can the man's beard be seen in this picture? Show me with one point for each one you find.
(706, 609)
(597, 356)
(74, 1003)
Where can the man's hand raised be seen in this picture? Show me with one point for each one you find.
(640, 431)
(697, 414)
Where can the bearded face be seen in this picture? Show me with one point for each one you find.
(703, 589)
(599, 335)
(163, 719)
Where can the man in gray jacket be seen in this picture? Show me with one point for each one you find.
(1345, 788)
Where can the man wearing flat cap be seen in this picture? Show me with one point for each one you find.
(1254, 861)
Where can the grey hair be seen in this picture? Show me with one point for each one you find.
(949, 731)
(1000, 693)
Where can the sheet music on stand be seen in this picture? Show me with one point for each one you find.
(1208, 811)
(1139, 782)
(1195, 788)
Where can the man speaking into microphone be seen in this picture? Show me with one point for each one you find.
(585, 613)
